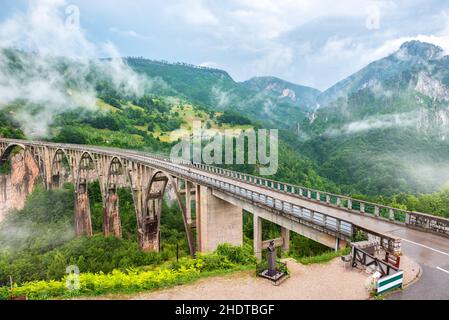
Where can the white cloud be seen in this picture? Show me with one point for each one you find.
(193, 12)
(310, 42)
(129, 33)
(378, 122)
(43, 30)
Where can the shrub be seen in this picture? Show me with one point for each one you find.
(238, 255)
(131, 280)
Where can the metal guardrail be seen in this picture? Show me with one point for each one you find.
(416, 220)
(366, 259)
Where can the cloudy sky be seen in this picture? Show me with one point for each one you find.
(309, 42)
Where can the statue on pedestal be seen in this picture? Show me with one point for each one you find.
(271, 256)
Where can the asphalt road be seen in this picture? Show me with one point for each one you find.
(432, 253)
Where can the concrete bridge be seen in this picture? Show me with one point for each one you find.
(219, 196)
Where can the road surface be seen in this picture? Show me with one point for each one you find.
(432, 253)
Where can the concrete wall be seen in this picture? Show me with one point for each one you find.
(218, 221)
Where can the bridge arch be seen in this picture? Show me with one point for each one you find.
(116, 177)
(86, 166)
(61, 168)
(149, 223)
(38, 160)
(8, 150)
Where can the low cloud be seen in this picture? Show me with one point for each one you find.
(221, 98)
(408, 119)
(51, 53)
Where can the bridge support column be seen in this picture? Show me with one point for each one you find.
(257, 236)
(285, 235)
(339, 244)
(188, 191)
(83, 224)
(111, 215)
(149, 235)
(218, 221)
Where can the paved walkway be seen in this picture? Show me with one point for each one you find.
(432, 253)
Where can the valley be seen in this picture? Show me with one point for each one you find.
(379, 135)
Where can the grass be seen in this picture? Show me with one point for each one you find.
(104, 106)
(322, 258)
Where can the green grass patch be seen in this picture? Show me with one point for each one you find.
(322, 258)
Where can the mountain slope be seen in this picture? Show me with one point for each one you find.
(384, 129)
(86, 103)
(405, 69)
(282, 106)
(301, 96)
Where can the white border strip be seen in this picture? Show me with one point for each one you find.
(427, 247)
(390, 285)
(383, 288)
(441, 269)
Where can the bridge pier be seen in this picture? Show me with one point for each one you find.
(217, 221)
(149, 233)
(257, 237)
(260, 245)
(188, 194)
(111, 215)
(285, 235)
(83, 223)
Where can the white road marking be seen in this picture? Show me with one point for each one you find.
(427, 247)
(441, 269)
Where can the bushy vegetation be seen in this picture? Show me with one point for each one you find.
(45, 222)
(233, 118)
(38, 243)
(225, 258)
(436, 203)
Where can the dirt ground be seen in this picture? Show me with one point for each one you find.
(327, 281)
(319, 281)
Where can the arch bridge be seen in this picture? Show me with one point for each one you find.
(219, 196)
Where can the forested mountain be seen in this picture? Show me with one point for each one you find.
(270, 101)
(86, 103)
(304, 98)
(384, 129)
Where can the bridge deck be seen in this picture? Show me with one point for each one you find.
(366, 222)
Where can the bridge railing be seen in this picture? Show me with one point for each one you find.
(310, 217)
(416, 220)
(326, 223)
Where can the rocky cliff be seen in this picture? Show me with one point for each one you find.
(16, 186)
